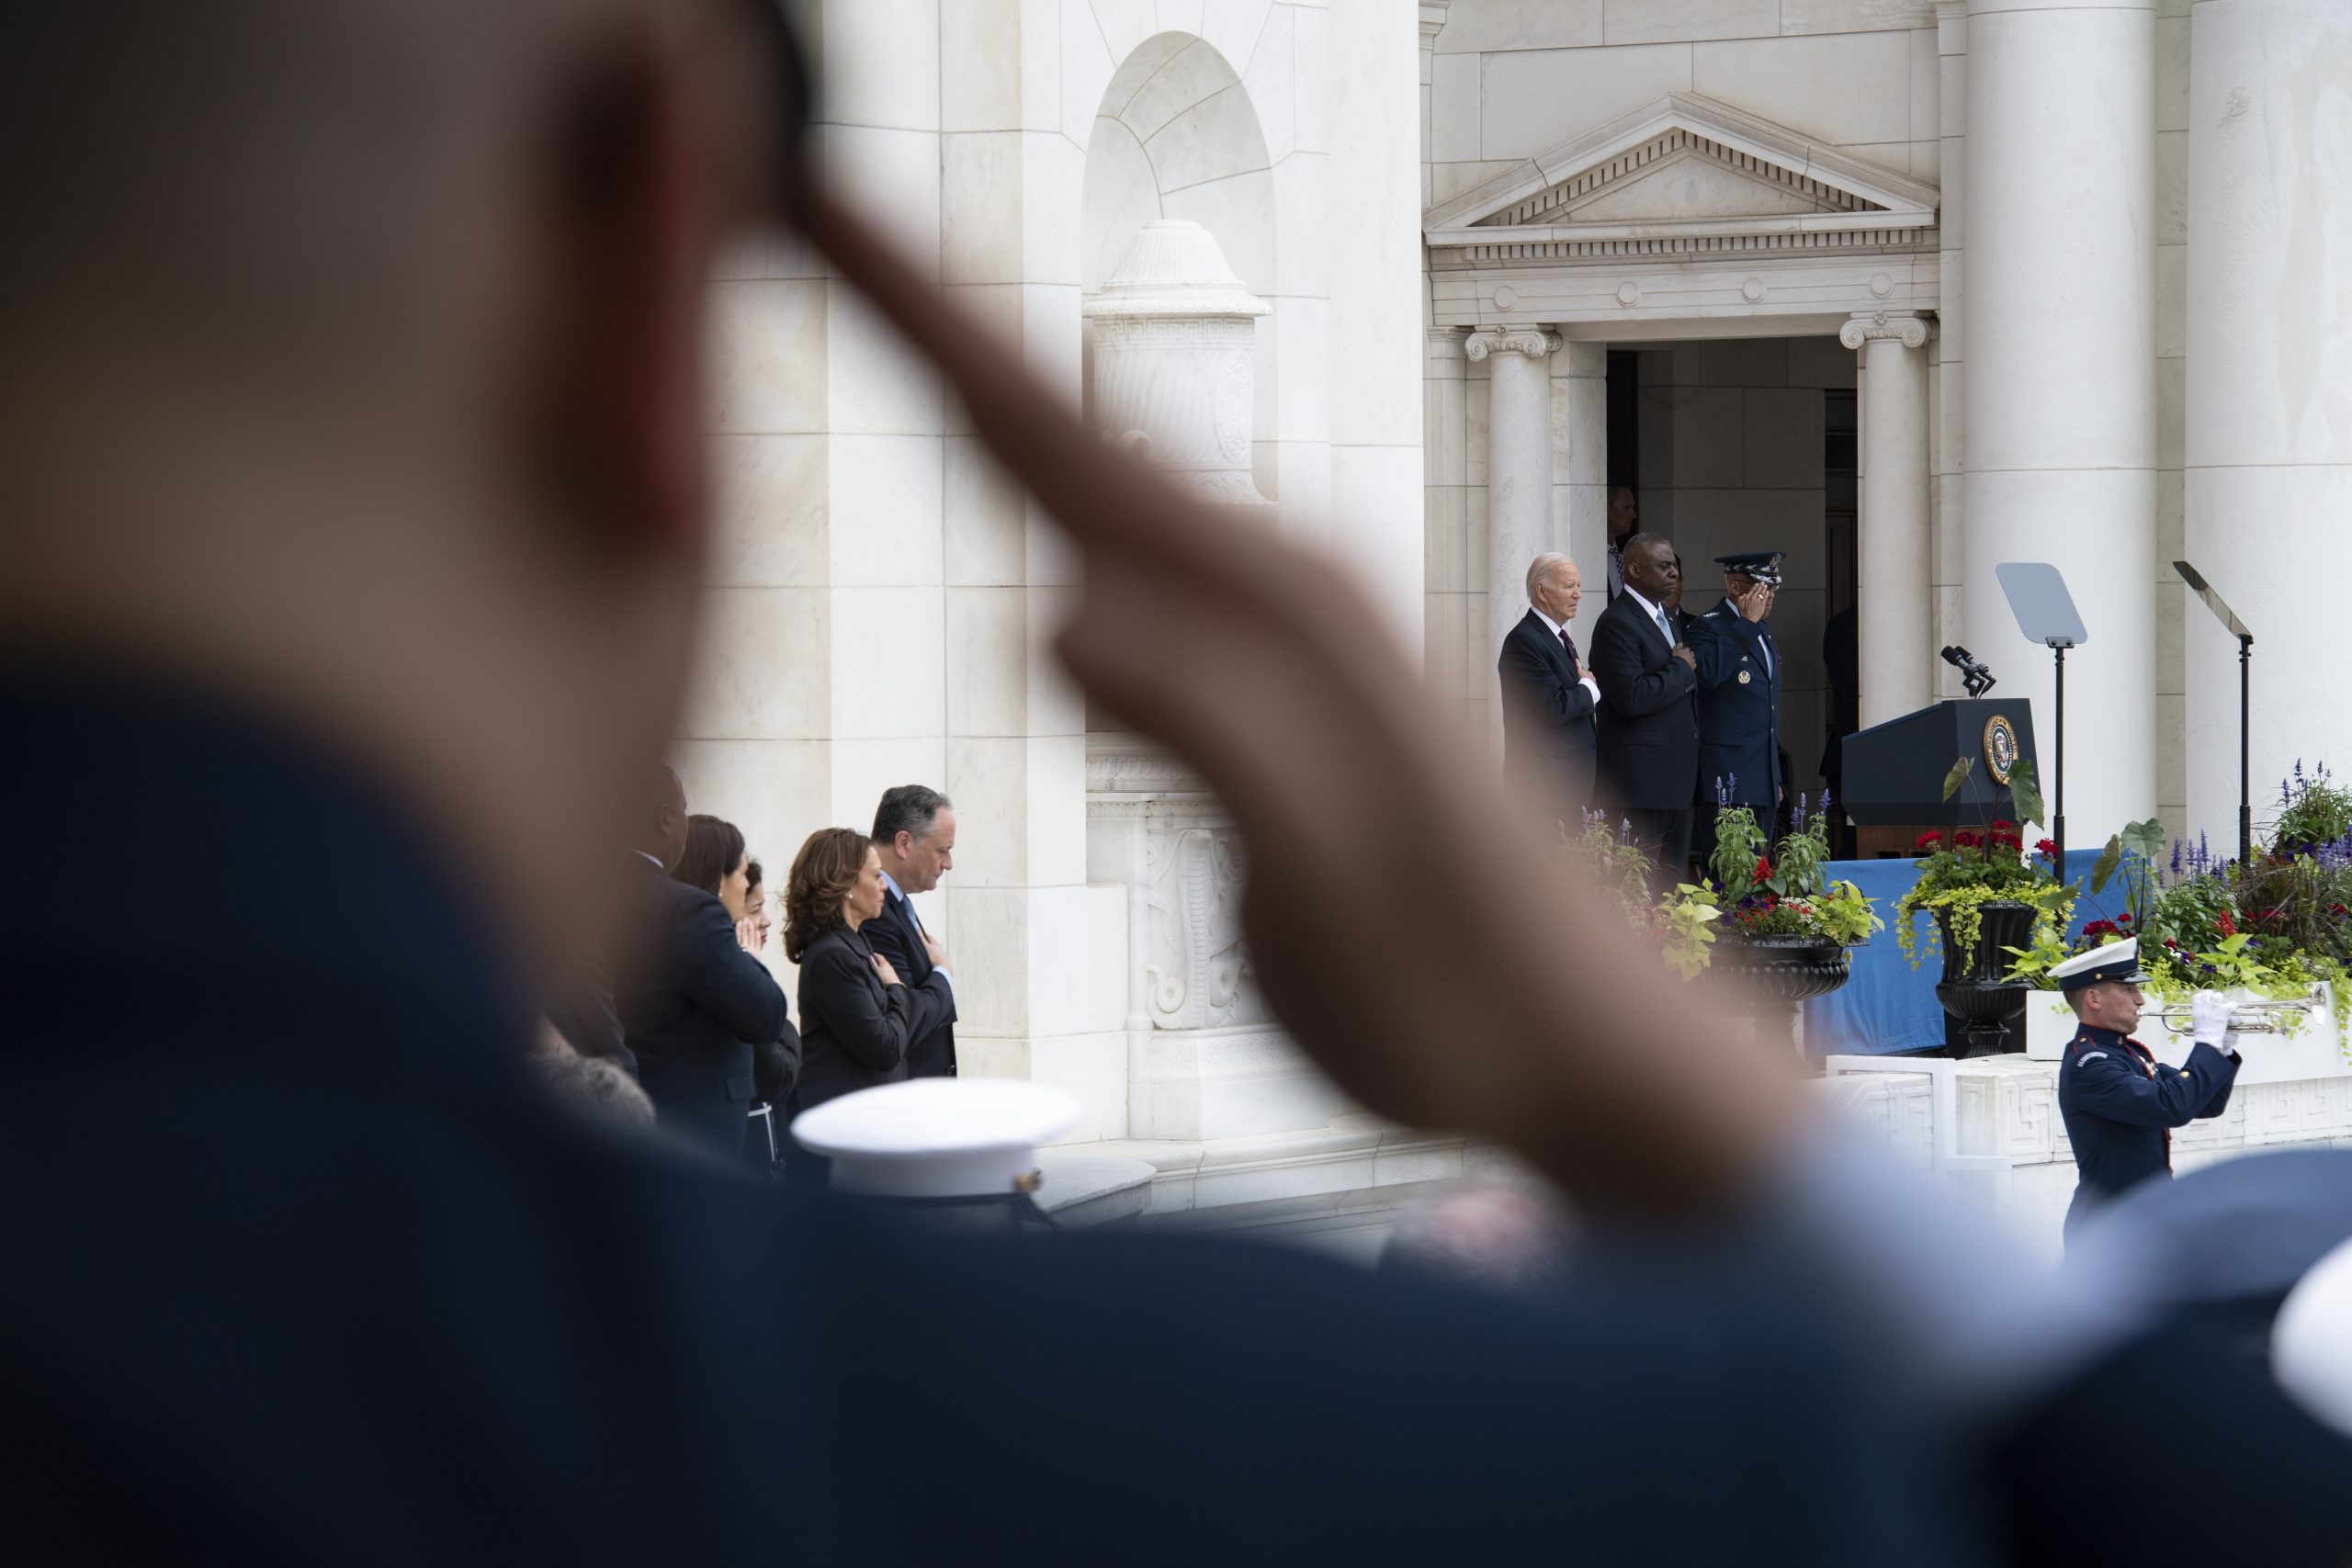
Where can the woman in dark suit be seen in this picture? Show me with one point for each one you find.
(856, 1016)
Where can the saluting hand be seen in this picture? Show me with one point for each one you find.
(1382, 871)
(1756, 604)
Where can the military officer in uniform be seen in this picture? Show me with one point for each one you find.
(2120, 1103)
(1739, 696)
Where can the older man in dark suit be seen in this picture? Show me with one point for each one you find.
(1548, 698)
(697, 1008)
(1649, 714)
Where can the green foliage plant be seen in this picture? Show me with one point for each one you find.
(1962, 872)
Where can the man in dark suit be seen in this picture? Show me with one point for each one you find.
(1649, 716)
(1548, 699)
(914, 836)
(388, 582)
(1740, 697)
(695, 1005)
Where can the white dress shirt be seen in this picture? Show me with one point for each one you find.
(1657, 616)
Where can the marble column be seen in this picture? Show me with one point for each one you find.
(2268, 481)
(1894, 612)
(2060, 417)
(1518, 477)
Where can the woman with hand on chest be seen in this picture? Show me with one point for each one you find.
(856, 1015)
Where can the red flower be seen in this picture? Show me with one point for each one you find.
(2001, 825)
(2225, 925)
(2101, 928)
(2169, 942)
(2125, 918)
(2046, 847)
(1966, 840)
(1763, 869)
(1928, 839)
(2338, 909)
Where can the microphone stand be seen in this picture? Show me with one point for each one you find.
(2058, 818)
(2238, 629)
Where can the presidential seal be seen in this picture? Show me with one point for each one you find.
(2000, 748)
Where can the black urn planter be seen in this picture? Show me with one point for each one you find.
(1975, 988)
(1779, 973)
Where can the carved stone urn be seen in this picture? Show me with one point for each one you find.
(1175, 374)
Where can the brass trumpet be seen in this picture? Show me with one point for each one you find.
(2246, 1018)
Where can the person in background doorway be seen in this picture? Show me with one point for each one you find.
(1623, 515)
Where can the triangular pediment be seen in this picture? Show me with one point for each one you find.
(1683, 166)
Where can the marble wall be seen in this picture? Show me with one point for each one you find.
(883, 596)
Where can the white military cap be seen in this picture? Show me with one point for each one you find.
(2310, 1344)
(937, 1137)
(2112, 960)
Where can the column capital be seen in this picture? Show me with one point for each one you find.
(1532, 341)
(1906, 327)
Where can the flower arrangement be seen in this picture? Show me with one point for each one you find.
(2276, 927)
(1962, 872)
(1756, 890)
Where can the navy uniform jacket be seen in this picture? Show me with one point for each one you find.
(2121, 1104)
(1547, 712)
(300, 1269)
(1739, 707)
(1648, 721)
(697, 1008)
(894, 935)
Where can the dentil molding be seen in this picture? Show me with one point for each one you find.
(1534, 343)
(1905, 327)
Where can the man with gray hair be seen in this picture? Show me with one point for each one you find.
(914, 834)
(1548, 699)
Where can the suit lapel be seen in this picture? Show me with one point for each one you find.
(902, 910)
(1532, 625)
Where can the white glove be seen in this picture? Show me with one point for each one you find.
(2210, 1018)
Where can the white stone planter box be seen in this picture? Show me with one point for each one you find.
(2315, 1051)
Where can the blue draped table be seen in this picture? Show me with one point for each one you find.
(1888, 1006)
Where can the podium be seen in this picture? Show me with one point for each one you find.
(1895, 771)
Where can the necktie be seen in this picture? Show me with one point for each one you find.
(1666, 626)
(1569, 643)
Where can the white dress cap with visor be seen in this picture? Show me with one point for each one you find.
(934, 1138)
(2116, 960)
(2310, 1343)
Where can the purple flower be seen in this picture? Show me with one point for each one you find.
(2175, 858)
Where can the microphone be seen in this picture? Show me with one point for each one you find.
(1974, 676)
